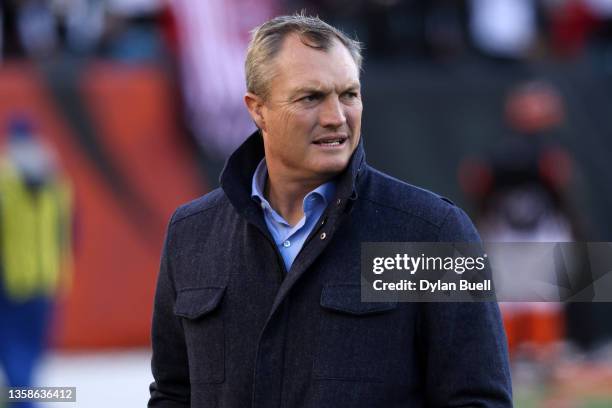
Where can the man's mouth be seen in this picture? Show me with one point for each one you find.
(331, 141)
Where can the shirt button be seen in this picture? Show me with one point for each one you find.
(287, 244)
(323, 235)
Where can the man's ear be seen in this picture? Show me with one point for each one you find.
(254, 104)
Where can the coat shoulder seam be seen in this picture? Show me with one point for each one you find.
(195, 213)
(407, 212)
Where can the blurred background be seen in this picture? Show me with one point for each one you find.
(113, 112)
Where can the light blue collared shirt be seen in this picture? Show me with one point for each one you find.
(290, 239)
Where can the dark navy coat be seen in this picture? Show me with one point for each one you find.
(233, 329)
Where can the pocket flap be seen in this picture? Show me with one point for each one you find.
(193, 303)
(346, 298)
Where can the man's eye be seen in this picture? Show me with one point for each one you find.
(351, 95)
(311, 98)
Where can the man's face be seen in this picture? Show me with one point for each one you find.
(311, 120)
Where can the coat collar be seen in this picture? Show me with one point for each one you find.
(238, 172)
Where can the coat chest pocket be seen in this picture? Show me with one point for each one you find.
(357, 340)
(204, 332)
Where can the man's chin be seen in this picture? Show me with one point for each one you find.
(331, 168)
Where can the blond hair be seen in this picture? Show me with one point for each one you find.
(267, 40)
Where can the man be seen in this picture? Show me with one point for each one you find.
(258, 298)
(35, 250)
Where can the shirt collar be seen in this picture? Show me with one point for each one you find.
(236, 178)
(320, 196)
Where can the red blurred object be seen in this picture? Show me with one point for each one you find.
(169, 29)
(571, 25)
(540, 329)
(555, 167)
(534, 107)
(475, 177)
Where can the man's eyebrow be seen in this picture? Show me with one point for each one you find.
(307, 90)
(353, 86)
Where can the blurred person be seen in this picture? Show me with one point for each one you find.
(41, 28)
(391, 28)
(37, 28)
(447, 28)
(600, 39)
(504, 29)
(82, 23)
(11, 45)
(34, 249)
(521, 191)
(212, 39)
(258, 299)
(132, 30)
(2, 24)
(412, 28)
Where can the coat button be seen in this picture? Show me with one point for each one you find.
(323, 235)
(339, 202)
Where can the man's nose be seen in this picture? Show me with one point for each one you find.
(332, 113)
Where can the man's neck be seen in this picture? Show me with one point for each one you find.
(286, 196)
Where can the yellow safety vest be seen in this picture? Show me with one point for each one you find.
(35, 236)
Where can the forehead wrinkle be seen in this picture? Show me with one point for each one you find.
(306, 75)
